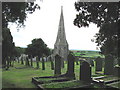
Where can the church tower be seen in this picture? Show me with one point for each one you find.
(61, 45)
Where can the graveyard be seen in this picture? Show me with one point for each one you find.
(22, 76)
(63, 65)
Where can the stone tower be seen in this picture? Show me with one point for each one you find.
(61, 45)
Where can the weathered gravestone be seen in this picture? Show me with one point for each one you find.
(108, 68)
(31, 59)
(70, 67)
(7, 63)
(77, 60)
(43, 63)
(22, 60)
(37, 62)
(27, 61)
(10, 62)
(57, 70)
(98, 64)
(52, 64)
(17, 58)
(85, 71)
(62, 62)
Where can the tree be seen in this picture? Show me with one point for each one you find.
(96, 12)
(106, 16)
(16, 12)
(37, 48)
(20, 51)
(8, 47)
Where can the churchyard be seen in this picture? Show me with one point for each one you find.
(77, 72)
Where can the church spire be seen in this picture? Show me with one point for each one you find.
(61, 37)
(61, 45)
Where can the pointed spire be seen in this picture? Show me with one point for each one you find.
(61, 9)
(61, 37)
(61, 45)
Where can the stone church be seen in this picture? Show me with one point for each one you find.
(61, 46)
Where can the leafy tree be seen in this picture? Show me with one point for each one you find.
(106, 16)
(96, 12)
(8, 47)
(37, 48)
(16, 12)
(20, 50)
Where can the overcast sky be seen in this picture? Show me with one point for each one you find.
(44, 24)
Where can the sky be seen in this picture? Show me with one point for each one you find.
(44, 23)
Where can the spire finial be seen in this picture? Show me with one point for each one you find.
(61, 9)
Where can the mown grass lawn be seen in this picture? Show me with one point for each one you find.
(91, 54)
(21, 78)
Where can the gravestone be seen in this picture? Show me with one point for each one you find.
(98, 64)
(8, 63)
(109, 66)
(27, 61)
(52, 64)
(77, 60)
(43, 63)
(22, 60)
(31, 59)
(37, 62)
(85, 71)
(13, 60)
(62, 62)
(17, 58)
(70, 67)
(57, 70)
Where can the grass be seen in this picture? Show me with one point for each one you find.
(66, 84)
(18, 78)
(88, 54)
(21, 78)
(116, 85)
(48, 79)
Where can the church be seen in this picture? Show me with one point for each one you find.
(61, 45)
